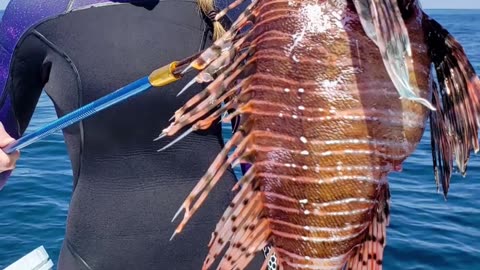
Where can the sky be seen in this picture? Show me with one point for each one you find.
(447, 4)
(458, 4)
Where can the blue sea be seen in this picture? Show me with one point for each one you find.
(426, 232)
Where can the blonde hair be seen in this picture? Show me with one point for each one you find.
(208, 7)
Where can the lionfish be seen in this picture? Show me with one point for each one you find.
(332, 95)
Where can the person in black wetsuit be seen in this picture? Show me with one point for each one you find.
(125, 193)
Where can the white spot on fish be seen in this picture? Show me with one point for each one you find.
(316, 18)
(337, 15)
(327, 153)
(303, 139)
(280, 114)
(304, 153)
(329, 84)
(301, 90)
(297, 38)
(301, 108)
(306, 212)
(286, 90)
(294, 116)
(304, 201)
(305, 167)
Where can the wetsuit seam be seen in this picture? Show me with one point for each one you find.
(69, 60)
(206, 31)
(27, 32)
(76, 255)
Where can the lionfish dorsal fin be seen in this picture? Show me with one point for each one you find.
(454, 126)
(369, 255)
(383, 23)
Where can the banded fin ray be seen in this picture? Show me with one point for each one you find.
(369, 255)
(454, 127)
(382, 22)
(243, 230)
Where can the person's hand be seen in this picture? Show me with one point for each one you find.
(7, 162)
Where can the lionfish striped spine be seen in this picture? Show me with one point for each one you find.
(316, 84)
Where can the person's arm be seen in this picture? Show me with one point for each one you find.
(22, 79)
(7, 162)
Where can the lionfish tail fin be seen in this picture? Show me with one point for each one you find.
(454, 126)
(383, 23)
(369, 255)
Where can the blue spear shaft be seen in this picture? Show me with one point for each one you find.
(160, 77)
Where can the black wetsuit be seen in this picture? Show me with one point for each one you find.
(125, 192)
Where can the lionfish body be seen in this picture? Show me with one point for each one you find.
(322, 125)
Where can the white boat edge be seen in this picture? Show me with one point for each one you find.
(38, 259)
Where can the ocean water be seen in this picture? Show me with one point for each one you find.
(426, 232)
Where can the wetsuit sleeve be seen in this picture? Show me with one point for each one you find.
(25, 76)
(28, 75)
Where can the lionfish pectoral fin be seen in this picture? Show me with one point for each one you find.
(365, 14)
(383, 24)
(454, 126)
(369, 255)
